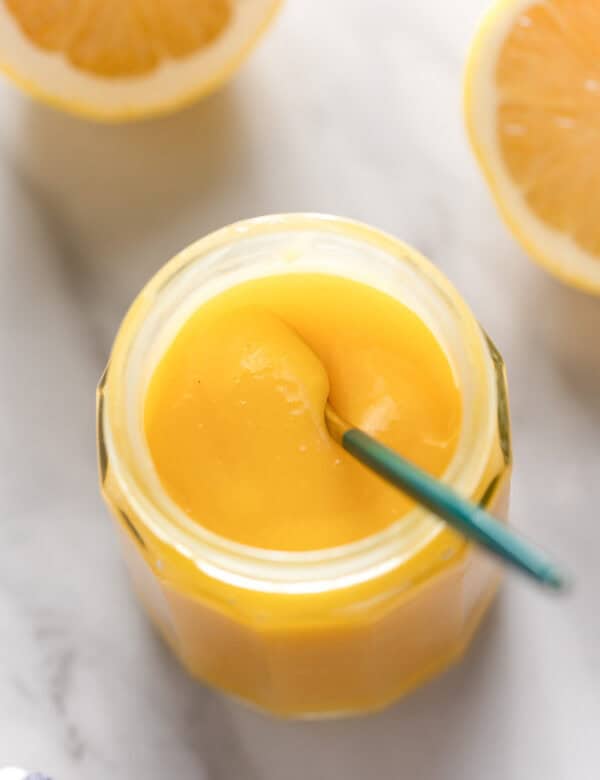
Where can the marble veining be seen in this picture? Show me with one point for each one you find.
(350, 108)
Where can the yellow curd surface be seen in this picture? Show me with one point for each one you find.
(235, 411)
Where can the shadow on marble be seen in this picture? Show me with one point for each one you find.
(571, 324)
(200, 723)
(117, 184)
(426, 735)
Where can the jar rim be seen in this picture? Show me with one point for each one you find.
(291, 571)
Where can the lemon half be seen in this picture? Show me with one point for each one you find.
(532, 106)
(116, 60)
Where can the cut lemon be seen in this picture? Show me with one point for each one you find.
(125, 59)
(532, 105)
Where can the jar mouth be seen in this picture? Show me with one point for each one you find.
(266, 246)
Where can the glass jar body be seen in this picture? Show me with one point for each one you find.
(344, 632)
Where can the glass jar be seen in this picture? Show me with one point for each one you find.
(323, 633)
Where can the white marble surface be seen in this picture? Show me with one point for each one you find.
(349, 107)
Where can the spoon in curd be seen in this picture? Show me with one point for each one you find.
(466, 517)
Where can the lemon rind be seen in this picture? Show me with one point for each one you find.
(124, 110)
(550, 248)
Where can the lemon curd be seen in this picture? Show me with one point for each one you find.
(235, 412)
(277, 569)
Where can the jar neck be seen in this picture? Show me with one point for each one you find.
(278, 245)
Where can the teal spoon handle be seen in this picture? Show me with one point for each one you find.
(467, 518)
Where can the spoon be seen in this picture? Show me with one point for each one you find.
(466, 517)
